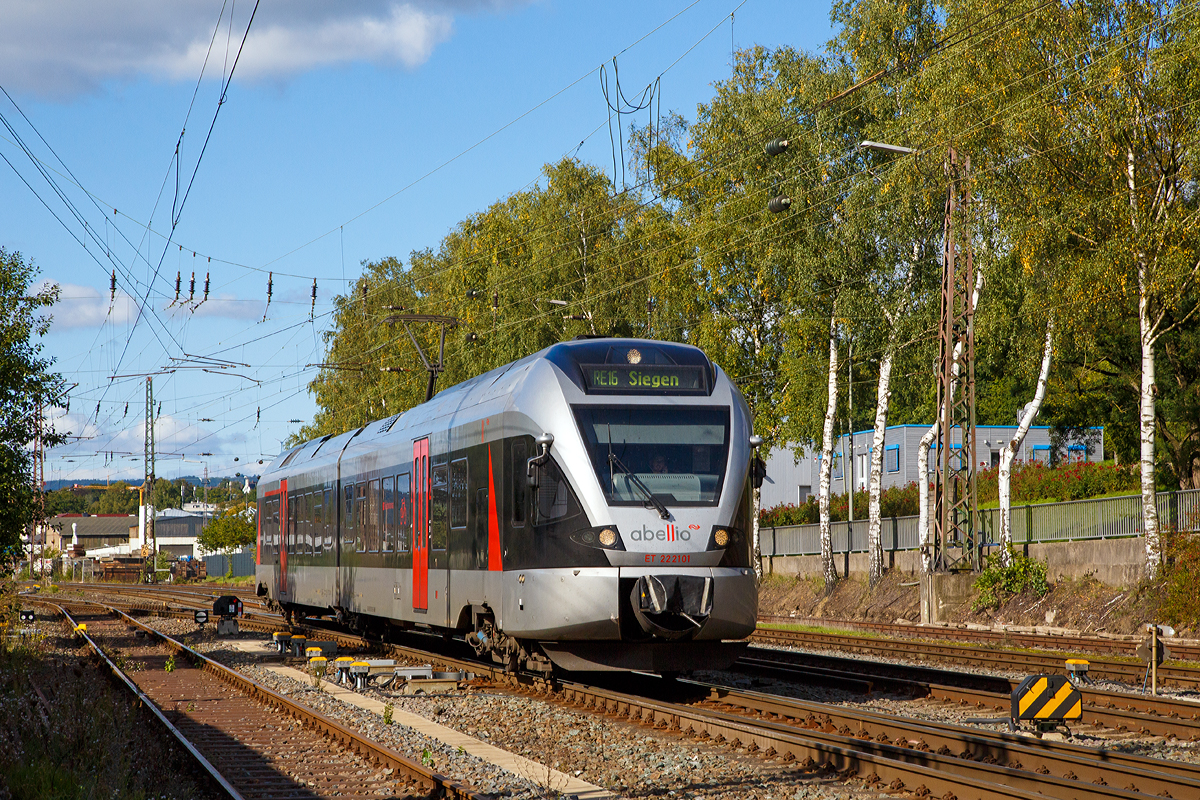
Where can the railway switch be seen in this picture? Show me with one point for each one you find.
(341, 669)
(360, 671)
(1077, 670)
(1047, 701)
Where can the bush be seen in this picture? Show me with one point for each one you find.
(1181, 579)
(1035, 481)
(897, 501)
(997, 582)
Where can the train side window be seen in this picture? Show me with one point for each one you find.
(439, 491)
(389, 514)
(291, 524)
(306, 524)
(554, 499)
(403, 512)
(330, 520)
(458, 493)
(316, 522)
(374, 507)
(360, 517)
(348, 517)
(276, 525)
(520, 459)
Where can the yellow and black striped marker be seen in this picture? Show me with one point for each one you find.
(1046, 698)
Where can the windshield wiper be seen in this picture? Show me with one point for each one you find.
(650, 498)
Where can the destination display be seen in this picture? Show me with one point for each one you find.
(648, 379)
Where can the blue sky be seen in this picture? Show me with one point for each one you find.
(319, 159)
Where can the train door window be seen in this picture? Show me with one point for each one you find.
(330, 520)
(553, 498)
(348, 517)
(403, 512)
(360, 517)
(458, 493)
(291, 524)
(306, 523)
(439, 491)
(374, 508)
(520, 459)
(389, 514)
(273, 522)
(316, 522)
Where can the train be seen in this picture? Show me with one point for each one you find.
(585, 508)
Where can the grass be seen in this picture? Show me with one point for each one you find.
(996, 503)
(244, 580)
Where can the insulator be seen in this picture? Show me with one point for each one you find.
(776, 147)
(112, 286)
(495, 301)
(158, 413)
(778, 204)
(191, 288)
(473, 293)
(206, 286)
(178, 280)
(126, 411)
(97, 410)
(270, 285)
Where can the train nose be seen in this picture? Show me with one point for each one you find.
(672, 607)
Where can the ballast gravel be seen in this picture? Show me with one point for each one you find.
(626, 759)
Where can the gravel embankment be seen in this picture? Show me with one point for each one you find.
(629, 760)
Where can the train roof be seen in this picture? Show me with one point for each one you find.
(495, 384)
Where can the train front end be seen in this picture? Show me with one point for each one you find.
(641, 499)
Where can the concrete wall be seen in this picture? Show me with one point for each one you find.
(1116, 562)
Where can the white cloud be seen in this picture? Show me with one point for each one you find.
(226, 306)
(67, 47)
(88, 307)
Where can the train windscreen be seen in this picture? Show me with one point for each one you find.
(676, 453)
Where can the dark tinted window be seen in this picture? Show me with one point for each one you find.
(458, 493)
(403, 512)
(440, 497)
(520, 459)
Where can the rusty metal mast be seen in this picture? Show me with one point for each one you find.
(956, 506)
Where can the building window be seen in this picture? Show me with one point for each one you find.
(458, 493)
(891, 458)
(836, 468)
(1041, 452)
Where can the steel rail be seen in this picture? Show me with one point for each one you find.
(897, 765)
(149, 704)
(1081, 643)
(1122, 711)
(335, 731)
(975, 655)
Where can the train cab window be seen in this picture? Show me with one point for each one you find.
(389, 514)
(520, 459)
(678, 453)
(458, 493)
(374, 506)
(403, 512)
(360, 517)
(439, 500)
(330, 520)
(348, 517)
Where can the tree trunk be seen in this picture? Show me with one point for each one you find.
(924, 528)
(1010, 450)
(827, 566)
(1147, 337)
(875, 522)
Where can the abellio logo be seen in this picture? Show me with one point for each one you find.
(668, 534)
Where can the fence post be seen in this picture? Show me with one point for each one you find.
(1028, 528)
(1173, 500)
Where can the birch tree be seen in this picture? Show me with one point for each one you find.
(1009, 451)
(828, 569)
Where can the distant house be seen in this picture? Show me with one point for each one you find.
(791, 479)
(92, 531)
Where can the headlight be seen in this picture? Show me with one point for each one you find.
(608, 537)
(721, 537)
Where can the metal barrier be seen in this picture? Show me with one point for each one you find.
(1103, 518)
(243, 564)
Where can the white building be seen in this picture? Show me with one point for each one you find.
(791, 479)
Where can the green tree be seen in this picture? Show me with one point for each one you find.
(118, 498)
(27, 385)
(232, 530)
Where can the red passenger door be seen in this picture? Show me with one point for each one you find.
(420, 567)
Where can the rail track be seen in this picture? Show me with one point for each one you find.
(1101, 645)
(893, 754)
(255, 742)
(1128, 670)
